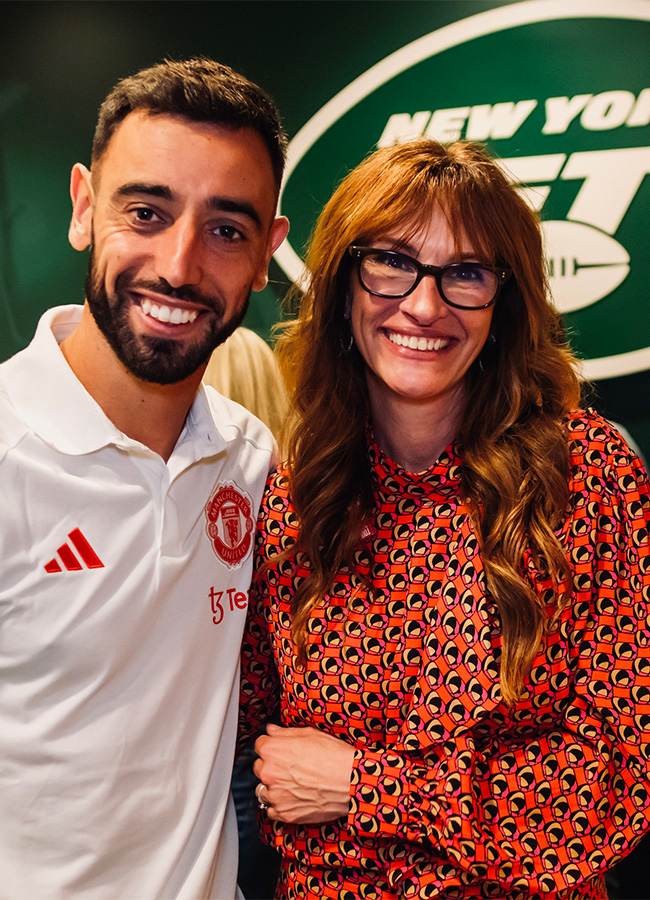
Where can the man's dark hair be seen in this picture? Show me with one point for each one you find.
(199, 89)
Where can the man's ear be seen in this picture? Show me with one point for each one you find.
(278, 232)
(81, 194)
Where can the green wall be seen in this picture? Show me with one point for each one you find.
(59, 59)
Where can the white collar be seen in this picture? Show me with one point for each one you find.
(51, 400)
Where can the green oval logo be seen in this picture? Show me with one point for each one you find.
(560, 93)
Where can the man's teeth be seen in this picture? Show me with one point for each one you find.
(174, 316)
(417, 343)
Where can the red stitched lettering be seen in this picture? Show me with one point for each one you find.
(236, 600)
(217, 608)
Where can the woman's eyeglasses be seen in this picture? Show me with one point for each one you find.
(393, 275)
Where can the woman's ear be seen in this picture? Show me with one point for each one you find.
(81, 194)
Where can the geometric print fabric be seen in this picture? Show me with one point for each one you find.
(455, 794)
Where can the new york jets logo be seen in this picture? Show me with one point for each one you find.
(559, 90)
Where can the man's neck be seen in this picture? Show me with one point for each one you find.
(153, 414)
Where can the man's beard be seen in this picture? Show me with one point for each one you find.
(155, 359)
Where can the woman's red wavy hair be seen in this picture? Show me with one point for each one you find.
(512, 440)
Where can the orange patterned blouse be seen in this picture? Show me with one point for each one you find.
(454, 794)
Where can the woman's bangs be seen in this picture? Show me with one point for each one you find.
(469, 221)
(406, 210)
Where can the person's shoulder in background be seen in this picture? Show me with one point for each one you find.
(244, 369)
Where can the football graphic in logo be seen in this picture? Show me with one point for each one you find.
(229, 523)
(584, 264)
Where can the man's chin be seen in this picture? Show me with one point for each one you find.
(163, 361)
(149, 357)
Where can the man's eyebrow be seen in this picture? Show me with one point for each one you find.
(226, 204)
(149, 190)
(218, 204)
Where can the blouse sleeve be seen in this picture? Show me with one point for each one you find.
(259, 688)
(552, 791)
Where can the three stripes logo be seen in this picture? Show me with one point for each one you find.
(68, 558)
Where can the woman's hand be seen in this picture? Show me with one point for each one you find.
(304, 774)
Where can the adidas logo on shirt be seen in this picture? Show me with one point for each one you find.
(70, 561)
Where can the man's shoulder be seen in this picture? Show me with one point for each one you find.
(12, 427)
(33, 368)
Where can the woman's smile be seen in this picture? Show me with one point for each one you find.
(413, 342)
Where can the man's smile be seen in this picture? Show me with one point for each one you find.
(172, 315)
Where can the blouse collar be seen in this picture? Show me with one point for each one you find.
(443, 478)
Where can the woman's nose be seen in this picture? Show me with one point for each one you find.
(425, 303)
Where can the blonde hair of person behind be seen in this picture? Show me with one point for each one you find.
(512, 442)
(244, 369)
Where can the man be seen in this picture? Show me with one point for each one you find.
(129, 499)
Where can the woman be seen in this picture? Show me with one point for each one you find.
(453, 574)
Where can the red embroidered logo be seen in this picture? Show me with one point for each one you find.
(230, 524)
(69, 560)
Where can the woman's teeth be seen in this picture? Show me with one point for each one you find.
(162, 313)
(415, 343)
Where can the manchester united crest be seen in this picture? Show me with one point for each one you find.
(229, 523)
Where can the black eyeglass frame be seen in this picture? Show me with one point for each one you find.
(359, 253)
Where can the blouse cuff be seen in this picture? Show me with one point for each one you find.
(384, 799)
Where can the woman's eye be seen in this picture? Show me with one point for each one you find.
(389, 261)
(465, 273)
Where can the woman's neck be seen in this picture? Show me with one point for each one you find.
(412, 434)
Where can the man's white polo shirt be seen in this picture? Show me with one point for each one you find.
(122, 603)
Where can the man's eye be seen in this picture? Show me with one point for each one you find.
(228, 233)
(145, 214)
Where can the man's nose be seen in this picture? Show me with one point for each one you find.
(179, 259)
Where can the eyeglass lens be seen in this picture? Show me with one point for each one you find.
(393, 274)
